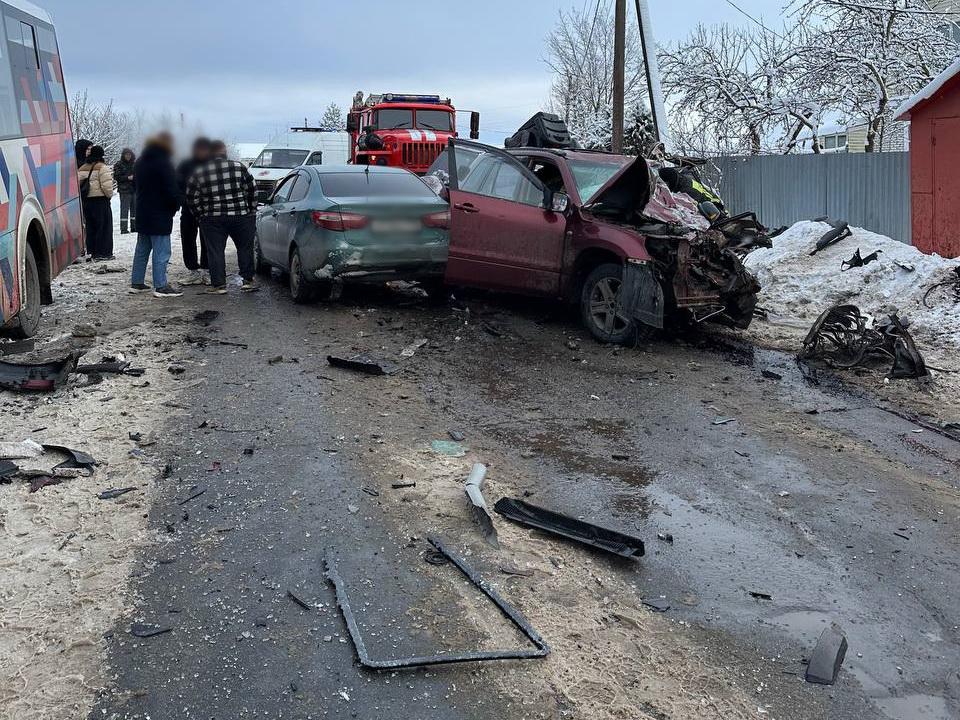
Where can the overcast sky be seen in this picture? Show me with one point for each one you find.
(246, 68)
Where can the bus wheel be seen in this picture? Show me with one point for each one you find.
(28, 319)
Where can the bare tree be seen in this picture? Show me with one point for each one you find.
(333, 118)
(101, 123)
(743, 90)
(580, 53)
(874, 52)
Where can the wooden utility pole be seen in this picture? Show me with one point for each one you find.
(619, 71)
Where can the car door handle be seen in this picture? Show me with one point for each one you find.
(466, 207)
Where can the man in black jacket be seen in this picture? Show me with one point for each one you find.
(197, 268)
(223, 194)
(158, 199)
(123, 174)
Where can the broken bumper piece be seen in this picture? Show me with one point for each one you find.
(540, 650)
(597, 537)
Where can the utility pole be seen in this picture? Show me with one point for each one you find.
(619, 71)
(652, 65)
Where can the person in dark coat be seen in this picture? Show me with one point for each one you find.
(123, 175)
(82, 147)
(97, 213)
(197, 268)
(158, 198)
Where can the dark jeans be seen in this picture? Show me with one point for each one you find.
(189, 230)
(99, 218)
(128, 213)
(215, 230)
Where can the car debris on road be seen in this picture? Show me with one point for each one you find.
(37, 377)
(541, 649)
(481, 513)
(845, 338)
(610, 541)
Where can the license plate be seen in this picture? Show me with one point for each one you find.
(397, 226)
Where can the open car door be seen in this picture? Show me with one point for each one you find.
(503, 233)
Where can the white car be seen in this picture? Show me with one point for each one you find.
(297, 148)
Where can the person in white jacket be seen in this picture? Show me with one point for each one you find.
(96, 204)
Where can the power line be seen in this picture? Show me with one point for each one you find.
(749, 16)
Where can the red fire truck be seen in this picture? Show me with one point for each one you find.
(407, 131)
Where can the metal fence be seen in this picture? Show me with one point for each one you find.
(870, 190)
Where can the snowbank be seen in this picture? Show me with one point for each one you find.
(797, 287)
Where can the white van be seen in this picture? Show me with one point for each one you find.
(299, 147)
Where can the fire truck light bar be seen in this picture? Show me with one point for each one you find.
(426, 99)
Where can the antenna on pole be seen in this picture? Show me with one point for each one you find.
(661, 128)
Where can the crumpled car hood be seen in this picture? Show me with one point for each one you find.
(638, 190)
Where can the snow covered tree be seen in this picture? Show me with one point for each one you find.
(333, 118)
(736, 89)
(100, 123)
(874, 53)
(580, 53)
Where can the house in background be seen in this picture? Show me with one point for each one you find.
(934, 116)
(853, 138)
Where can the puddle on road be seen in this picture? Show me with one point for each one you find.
(915, 707)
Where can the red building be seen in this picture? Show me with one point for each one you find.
(934, 115)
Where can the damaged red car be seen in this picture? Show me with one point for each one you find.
(599, 230)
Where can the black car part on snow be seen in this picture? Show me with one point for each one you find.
(859, 261)
(841, 231)
(827, 657)
(78, 460)
(952, 283)
(597, 537)
(843, 337)
(37, 377)
(541, 648)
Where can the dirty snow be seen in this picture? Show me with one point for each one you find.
(797, 288)
(66, 557)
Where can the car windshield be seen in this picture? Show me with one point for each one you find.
(591, 175)
(434, 120)
(395, 120)
(281, 159)
(361, 184)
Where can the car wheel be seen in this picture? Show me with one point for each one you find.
(28, 319)
(302, 289)
(600, 308)
(260, 265)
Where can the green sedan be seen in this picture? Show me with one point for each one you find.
(352, 223)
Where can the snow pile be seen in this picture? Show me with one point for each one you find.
(798, 287)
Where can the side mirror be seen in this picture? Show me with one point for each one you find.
(353, 122)
(560, 202)
(474, 126)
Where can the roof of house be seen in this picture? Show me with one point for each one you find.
(937, 84)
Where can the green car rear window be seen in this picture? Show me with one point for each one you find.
(339, 185)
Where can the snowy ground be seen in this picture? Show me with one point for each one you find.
(66, 557)
(797, 288)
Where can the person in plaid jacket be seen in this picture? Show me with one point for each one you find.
(223, 194)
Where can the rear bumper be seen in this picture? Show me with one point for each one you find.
(333, 258)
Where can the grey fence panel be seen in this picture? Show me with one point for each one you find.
(869, 190)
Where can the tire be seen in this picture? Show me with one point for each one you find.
(302, 289)
(599, 308)
(260, 265)
(28, 319)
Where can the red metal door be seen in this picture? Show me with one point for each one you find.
(946, 186)
(501, 236)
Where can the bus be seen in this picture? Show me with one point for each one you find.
(41, 222)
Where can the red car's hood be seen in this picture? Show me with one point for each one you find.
(637, 189)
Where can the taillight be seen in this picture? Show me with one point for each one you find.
(339, 221)
(437, 220)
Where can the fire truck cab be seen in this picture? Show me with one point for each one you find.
(407, 131)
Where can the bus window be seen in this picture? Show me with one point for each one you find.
(9, 117)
